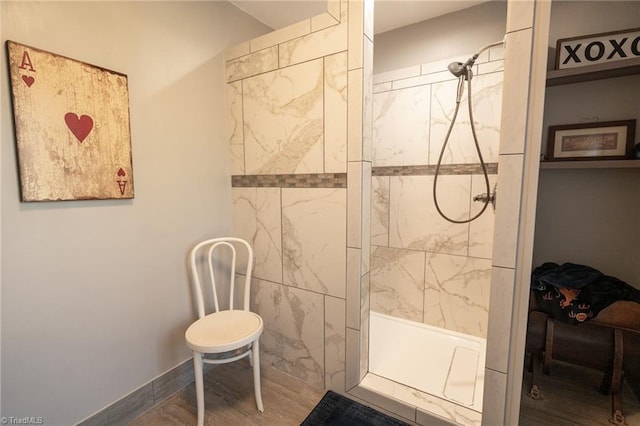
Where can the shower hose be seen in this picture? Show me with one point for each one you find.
(487, 199)
(463, 71)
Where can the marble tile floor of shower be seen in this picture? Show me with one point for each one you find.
(570, 397)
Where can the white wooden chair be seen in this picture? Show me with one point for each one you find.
(224, 335)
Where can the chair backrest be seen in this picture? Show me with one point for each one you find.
(204, 261)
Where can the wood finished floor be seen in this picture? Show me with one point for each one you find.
(229, 400)
(571, 397)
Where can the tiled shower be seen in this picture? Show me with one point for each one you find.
(319, 201)
(424, 268)
(300, 165)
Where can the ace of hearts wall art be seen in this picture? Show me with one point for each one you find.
(72, 127)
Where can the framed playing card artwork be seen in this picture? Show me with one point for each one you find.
(72, 127)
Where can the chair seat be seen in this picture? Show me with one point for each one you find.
(223, 331)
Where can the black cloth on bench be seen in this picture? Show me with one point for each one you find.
(574, 293)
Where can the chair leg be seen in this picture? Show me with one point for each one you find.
(255, 353)
(198, 366)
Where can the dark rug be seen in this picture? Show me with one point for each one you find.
(334, 409)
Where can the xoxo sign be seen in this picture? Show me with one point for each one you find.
(597, 48)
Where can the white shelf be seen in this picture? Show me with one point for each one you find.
(591, 164)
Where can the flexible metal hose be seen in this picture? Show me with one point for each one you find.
(444, 146)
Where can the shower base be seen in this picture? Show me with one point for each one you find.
(438, 371)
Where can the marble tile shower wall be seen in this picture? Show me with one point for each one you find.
(298, 141)
(424, 268)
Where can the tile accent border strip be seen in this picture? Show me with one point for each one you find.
(312, 180)
(425, 170)
(339, 180)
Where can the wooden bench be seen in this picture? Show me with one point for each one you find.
(610, 343)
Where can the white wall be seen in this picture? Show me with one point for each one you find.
(451, 35)
(590, 216)
(95, 296)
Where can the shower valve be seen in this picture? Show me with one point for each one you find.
(488, 198)
(485, 198)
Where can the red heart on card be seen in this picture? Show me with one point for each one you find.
(28, 80)
(79, 126)
(121, 172)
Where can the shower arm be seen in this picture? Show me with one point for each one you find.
(463, 70)
(472, 59)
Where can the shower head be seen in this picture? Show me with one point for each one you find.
(457, 68)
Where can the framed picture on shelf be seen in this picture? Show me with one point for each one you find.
(610, 140)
